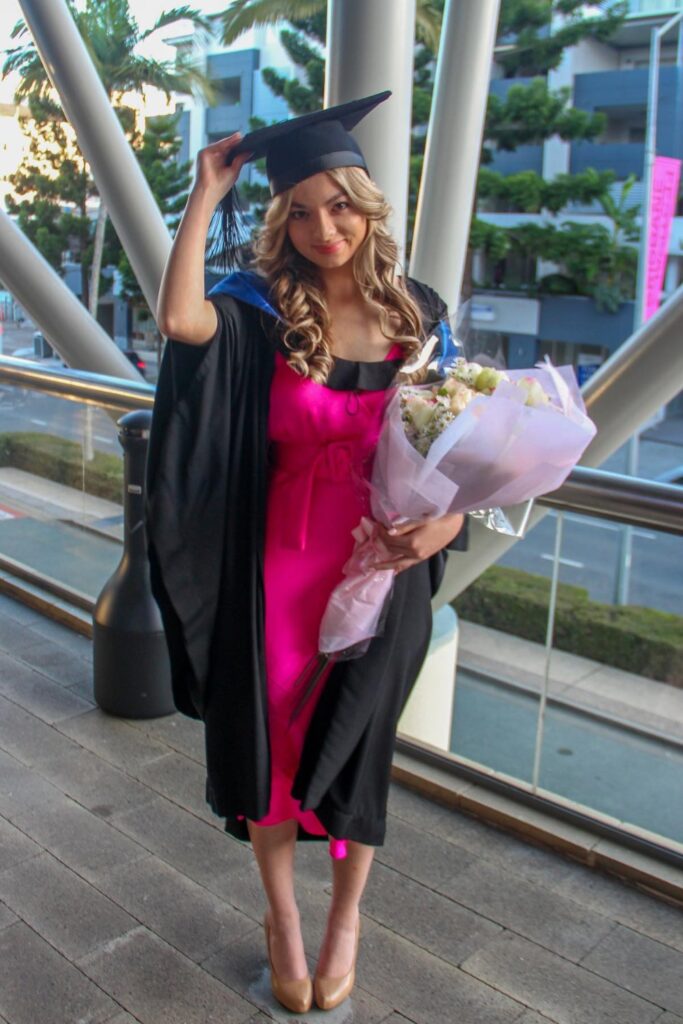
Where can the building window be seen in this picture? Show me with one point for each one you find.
(228, 91)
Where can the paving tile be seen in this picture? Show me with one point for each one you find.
(641, 965)
(243, 966)
(478, 837)
(14, 635)
(94, 783)
(527, 909)
(84, 691)
(531, 1017)
(6, 916)
(184, 841)
(112, 739)
(181, 733)
(28, 738)
(36, 693)
(553, 986)
(624, 903)
(669, 1018)
(168, 903)
(423, 987)
(425, 857)
(62, 665)
(70, 914)
(14, 845)
(183, 781)
(37, 984)
(54, 821)
(121, 1018)
(47, 629)
(426, 918)
(396, 1018)
(158, 985)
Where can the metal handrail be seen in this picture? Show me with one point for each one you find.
(594, 492)
(624, 499)
(77, 385)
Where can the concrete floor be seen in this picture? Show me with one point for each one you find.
(122, 900)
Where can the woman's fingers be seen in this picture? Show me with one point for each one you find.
(215, 171)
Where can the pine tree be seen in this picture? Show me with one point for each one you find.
(169, 181)
(531, 42)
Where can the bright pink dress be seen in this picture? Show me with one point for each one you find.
(323, 441)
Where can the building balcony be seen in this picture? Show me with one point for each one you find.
(225, 119)
(623, 158)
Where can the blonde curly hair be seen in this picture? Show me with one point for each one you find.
(297, 290)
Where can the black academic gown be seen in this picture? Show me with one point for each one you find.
(206, 512)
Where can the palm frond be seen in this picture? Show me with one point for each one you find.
(176, 14)
(244, 14)
(428, 24)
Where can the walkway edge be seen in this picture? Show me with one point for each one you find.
(604, 854)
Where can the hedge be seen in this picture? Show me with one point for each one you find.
(54, 458)
(641, 640)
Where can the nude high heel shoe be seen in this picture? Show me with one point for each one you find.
(294, 994)
(330, 992)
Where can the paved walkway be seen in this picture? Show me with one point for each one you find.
(122, 900)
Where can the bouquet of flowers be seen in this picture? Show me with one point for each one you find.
(475, 439)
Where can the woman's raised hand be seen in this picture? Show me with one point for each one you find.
(215, 176)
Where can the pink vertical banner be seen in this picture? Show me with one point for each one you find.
(665, 177)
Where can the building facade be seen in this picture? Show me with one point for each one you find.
(611, 78)
(240, 92)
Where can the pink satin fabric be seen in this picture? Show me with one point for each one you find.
(322, 445)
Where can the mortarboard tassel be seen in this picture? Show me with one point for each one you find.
(227, 233)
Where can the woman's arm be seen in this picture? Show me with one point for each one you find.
(183, 312)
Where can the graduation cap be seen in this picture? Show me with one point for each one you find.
(295, 150)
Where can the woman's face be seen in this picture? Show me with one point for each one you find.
(323, 226)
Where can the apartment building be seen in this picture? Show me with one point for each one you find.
(611, 78)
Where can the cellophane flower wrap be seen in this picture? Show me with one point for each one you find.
(475, 439)
(451, 446)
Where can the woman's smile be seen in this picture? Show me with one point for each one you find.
(323, 226)
(329, 247)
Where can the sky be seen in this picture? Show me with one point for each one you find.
(145, 12)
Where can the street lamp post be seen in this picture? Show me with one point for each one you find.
(626, 540)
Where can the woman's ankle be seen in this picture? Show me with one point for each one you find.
(344, 915)
(284, 916)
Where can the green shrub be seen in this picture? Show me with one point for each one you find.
(55, 458)
(640, 640)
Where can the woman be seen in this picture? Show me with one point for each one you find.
(268, 408)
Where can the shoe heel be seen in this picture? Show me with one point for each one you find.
(294, 994)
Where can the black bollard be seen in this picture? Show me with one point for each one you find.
(132, 675)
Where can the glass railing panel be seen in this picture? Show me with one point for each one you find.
(569, 668)
(612, 735)
(61, 480)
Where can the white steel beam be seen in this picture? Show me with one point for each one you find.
(120, 181)
(61, 316)
(370, 48)
(454, 137)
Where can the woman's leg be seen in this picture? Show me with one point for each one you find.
(349, 876)
(274, 847)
